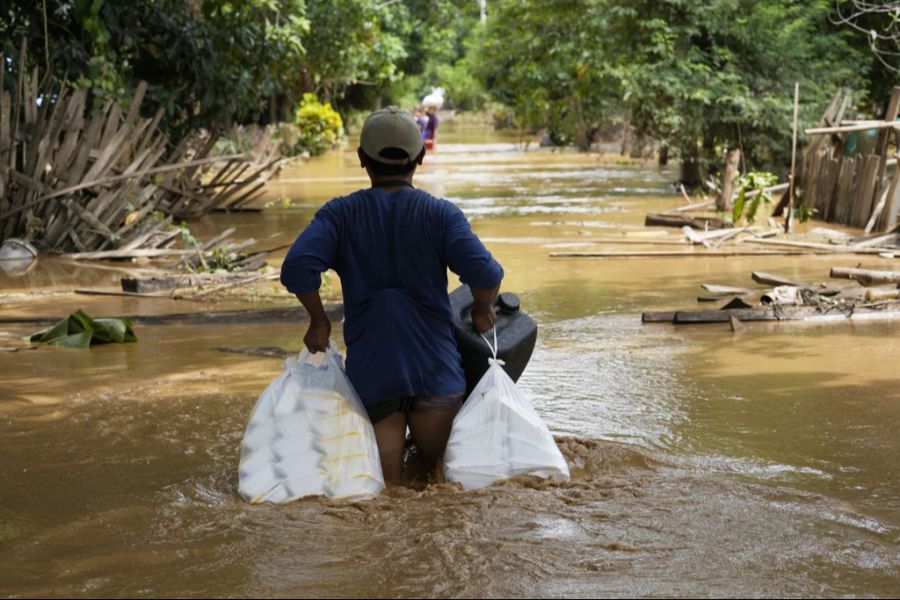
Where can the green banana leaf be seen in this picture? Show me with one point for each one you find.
(79, 330)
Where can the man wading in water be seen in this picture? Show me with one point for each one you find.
(391, 245)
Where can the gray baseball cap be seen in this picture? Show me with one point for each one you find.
(391, 127)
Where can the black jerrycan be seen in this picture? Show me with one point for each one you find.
(516, 335)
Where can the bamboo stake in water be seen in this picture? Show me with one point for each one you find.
(790, 210)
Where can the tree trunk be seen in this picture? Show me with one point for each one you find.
(584, 136)
(726, 195)
(584, 133)
(626, 140)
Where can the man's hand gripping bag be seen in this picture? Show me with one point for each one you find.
(309, 435)
(497, 435)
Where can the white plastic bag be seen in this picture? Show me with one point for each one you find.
(435, 98)
(497, 435)
(309, 435)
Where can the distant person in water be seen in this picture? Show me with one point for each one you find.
(391, 245)
(430, 131)
(421, 120)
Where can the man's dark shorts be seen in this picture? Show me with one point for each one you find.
(445, 402)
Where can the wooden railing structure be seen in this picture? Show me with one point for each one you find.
(854, 189)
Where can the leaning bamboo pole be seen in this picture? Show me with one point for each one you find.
(788, 219)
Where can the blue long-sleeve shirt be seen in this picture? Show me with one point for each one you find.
(391, 251)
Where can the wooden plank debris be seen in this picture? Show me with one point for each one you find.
(878, 239)
(658, 316)
(879, 207)
(620, 240)
(884, 310)
(788, 302)
(727, 235)
(106, 292)
(147, 285)
(866, 277)
(692, 236)
(697, 254)
(680, 220)
(877, 294)
(770, 279)
(708, 238)
(819, 247)
(130, 253)
(726, 289)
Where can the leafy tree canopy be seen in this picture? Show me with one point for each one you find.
(699, 75)
(708, 75)
(207, 61)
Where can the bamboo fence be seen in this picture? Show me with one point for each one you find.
(77, 180)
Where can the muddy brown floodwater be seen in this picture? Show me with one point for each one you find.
(704, 463)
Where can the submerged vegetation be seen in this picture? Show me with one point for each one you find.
(695, 78)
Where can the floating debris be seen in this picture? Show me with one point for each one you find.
(17, 257)
(79, 330)
(793, 303)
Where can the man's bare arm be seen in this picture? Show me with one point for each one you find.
(483, 317)
(319, 331)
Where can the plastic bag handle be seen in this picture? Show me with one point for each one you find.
(493, 348)
(331, 355)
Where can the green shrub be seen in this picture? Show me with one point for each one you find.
(754, 181)
(320, 126)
